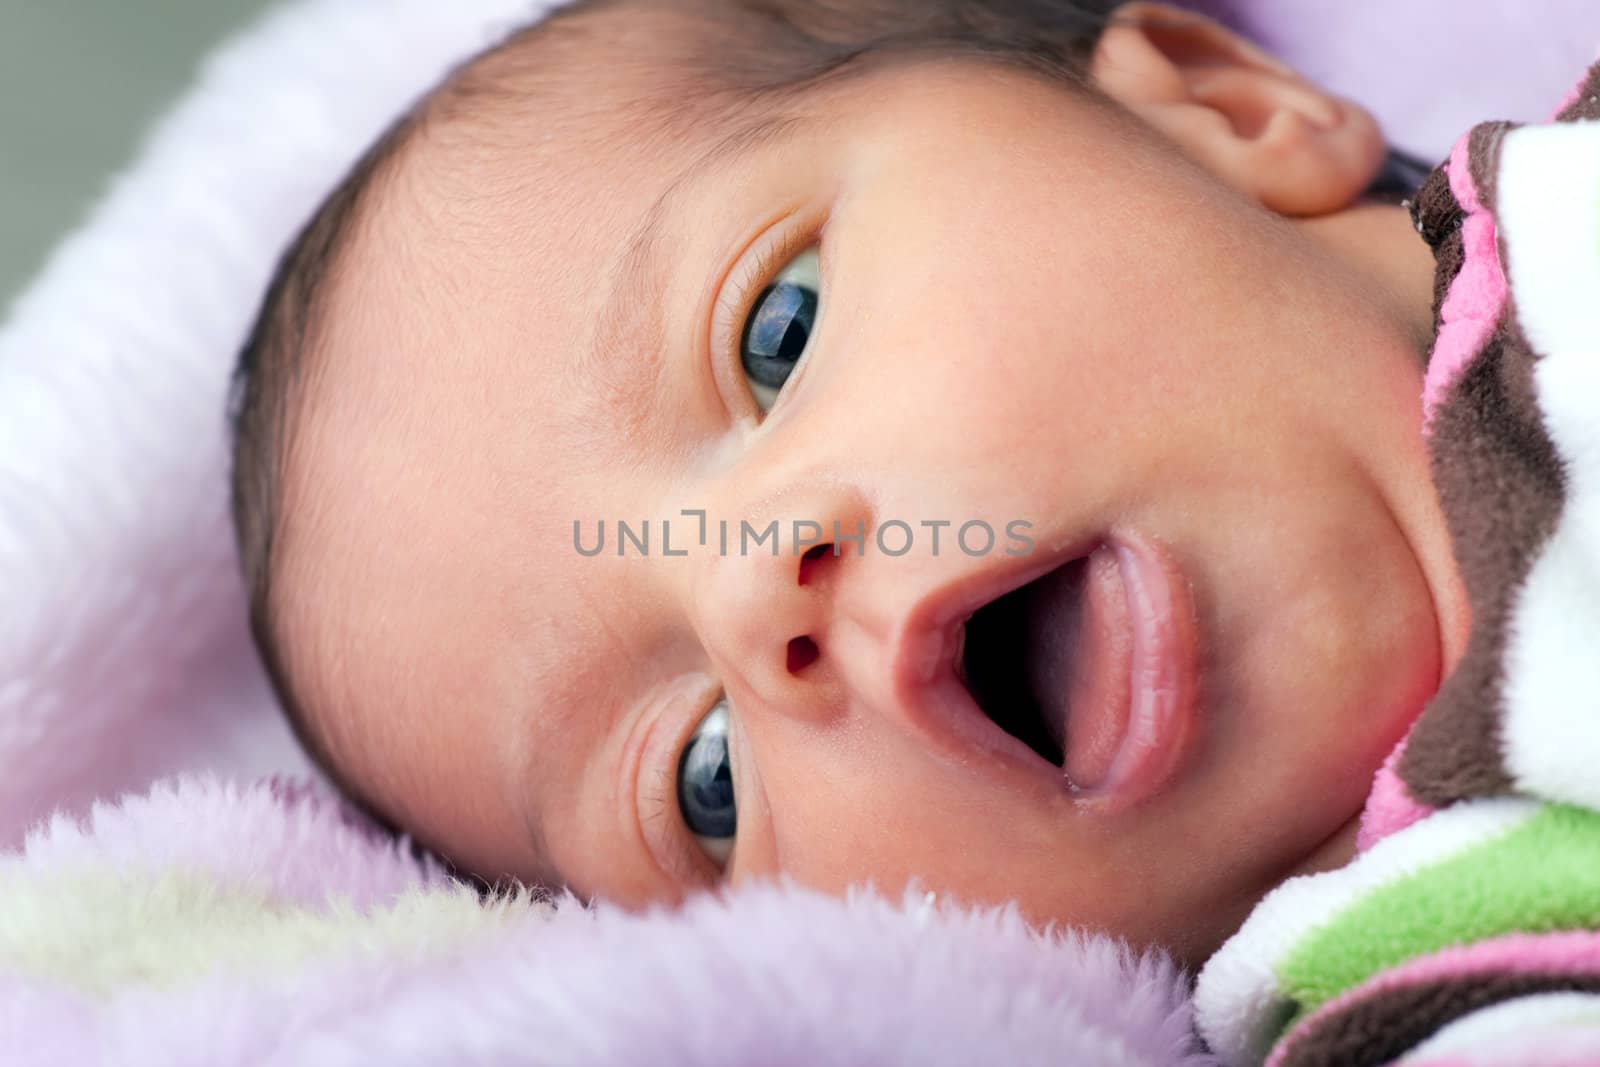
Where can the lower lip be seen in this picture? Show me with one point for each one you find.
(1140, 741)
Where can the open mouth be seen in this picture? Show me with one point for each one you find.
(1005, 657)
(1091, 666)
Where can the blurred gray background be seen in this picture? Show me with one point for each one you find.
(80, 83)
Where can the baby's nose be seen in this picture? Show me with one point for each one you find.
(767, 599)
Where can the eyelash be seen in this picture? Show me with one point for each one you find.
(679, 858)
(737, 298)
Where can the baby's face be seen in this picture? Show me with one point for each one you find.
(1193, 431)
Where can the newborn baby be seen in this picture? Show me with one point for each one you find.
(1012, 412)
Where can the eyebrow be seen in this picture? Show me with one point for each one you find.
(631, 317)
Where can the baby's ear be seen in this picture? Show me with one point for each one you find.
(1237, 111)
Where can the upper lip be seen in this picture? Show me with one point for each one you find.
(923, 671)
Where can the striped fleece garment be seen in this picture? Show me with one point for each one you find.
(1467, 930)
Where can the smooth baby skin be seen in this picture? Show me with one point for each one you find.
(1034, 306)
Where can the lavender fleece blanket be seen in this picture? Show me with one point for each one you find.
(204, 919)
(212, 924)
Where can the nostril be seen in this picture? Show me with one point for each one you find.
(803, 652)
(811, 559)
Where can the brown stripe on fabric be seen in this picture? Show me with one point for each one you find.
(1587, 105)
(1379, 1028)
(1502, 486)
(1438, 217)
(1483, 161)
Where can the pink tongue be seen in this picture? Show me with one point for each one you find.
(1080, 663)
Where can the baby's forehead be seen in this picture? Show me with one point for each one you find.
(553, 131)
(519, 213)
(616, 75)
(462, 327)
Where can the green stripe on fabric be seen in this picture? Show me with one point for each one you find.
(1541, 876)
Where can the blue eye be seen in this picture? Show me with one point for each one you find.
(779, 327)
(705, 786)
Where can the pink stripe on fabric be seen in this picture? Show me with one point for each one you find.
(1567, 952)
(1471, 310)
(1390, 806)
